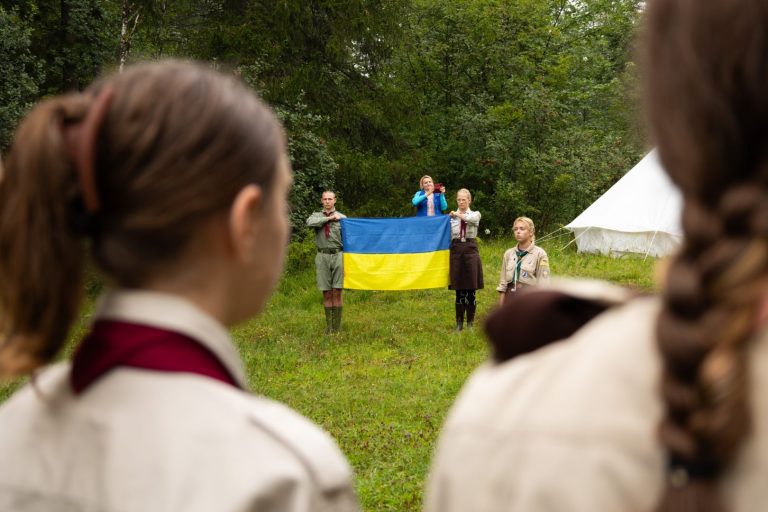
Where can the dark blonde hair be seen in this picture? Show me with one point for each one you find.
(176, 144)
(706, 77)
(529, 223)
(465, 191)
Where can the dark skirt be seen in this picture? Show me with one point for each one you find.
(466, 267)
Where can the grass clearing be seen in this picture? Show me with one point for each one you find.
(382, 387)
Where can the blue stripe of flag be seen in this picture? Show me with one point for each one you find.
(396, 236)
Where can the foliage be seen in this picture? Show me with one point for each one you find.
(76, 39)
(528, 103)
(314, 168)
(519, 101)
(301, 256)
(20, 72)
(313, 165)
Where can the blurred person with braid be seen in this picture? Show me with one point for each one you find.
(659, 403)
(466, 269)
(173, 179)
(525, 265)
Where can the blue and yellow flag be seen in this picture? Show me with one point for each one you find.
(396, 254)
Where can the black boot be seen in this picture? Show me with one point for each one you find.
(328, 320)
(337, 319)
(460, 308)
(471, 315)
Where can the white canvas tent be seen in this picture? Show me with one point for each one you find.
(639, 214)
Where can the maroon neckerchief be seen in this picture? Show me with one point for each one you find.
(463, 230)
(112, 344)
(327, 226)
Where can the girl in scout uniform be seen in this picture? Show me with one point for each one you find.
(466, 269)
(174, 178)
(524, 265)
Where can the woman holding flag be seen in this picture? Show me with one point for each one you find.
(428, 201)
(524, 265)
(466, 269)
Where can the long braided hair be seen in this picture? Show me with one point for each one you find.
(707, 102)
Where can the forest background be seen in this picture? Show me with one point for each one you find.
(528, 103)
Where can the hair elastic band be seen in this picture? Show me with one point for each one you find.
(80, 140)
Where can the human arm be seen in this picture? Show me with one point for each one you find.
(309, 474)
(418, 198)
(503, 283)
(443, 202)
(472, 218)
(542, 269)
(317, 220)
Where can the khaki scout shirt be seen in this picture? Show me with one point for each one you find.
(573, 427)
(533, 271)
(139, 440)
(317, 221)
(473, 223)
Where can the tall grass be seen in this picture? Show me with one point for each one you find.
(383, 385)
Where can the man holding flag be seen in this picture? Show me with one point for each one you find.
(329, 260)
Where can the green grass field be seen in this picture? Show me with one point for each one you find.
(382, 387)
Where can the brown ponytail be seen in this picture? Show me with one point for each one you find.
(41, 256)
(705, 82)
(177, 142)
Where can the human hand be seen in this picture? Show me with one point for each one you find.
(442, 189)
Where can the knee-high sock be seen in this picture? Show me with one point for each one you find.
(328, 320)
(337, 318)
(471, 307)
(460, 309)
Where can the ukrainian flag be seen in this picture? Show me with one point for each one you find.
(396, 254)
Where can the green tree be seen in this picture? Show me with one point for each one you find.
(520, 100)
(20, 72)
(75, 39)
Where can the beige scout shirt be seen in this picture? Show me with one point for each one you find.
(533, 271)
(139, 440)
(473, 223)
(317, 221)
(572, 427)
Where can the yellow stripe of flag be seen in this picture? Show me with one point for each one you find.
(403, 271)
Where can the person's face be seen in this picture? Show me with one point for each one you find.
(522, 232)
(328, 200)
(427, 185)
(462, 199)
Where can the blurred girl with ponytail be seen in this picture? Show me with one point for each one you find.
(173, 179)
(659, 403)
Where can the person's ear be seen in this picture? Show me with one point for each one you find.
(244, 218)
